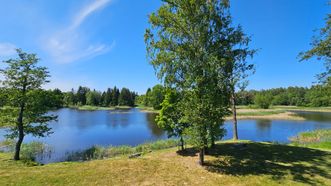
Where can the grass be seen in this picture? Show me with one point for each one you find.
(228, 164)
(147, 109)
(260, 112)
(93, 108)
(320, 139)
(98, 152)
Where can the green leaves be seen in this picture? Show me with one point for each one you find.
(24, 96)
(195, 49)
(321, 49)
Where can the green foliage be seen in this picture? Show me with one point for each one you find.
(111, 97)
(315, 96)
(319, 95)
(171, 117)
(321, 47)
(157, 96)
(93, 98)
(194, 48)
(263, 100)
(127, 97)
(154, 97)
(28, 103)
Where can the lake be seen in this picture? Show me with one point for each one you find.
(78, 130)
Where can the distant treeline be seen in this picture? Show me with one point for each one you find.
(315, 96)
(83, 96)
(110, 97)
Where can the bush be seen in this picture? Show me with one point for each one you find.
(30, 151)
(263, 100)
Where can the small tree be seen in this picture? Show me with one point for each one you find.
(171, 117)
(29, 103)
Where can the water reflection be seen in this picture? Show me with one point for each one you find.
(150, 118)
(79, 130)
(314, 116)
(263, 125)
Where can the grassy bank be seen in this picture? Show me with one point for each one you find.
(320, 139)
(228, 164)
(93, 108)
(98, 152)
(274, 112)
(143, 108)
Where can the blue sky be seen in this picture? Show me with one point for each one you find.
(99, 43)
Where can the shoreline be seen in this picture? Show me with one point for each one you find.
(280, 116)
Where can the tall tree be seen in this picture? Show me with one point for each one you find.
(125, 97)
(28, 101)
(115, 96)
(321, 48)
(147, 97)
(108, 97)
(189, 45)
(81, 95)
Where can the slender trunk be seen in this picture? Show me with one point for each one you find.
(182, 143)
(202, 156)
(20, 133)
(212, 141)
(234, 113)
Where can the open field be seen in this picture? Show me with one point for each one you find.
(228, 164)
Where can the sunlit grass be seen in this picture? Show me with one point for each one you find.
(230, 163)
(315, 139)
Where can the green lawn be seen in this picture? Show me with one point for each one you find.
(228, 164)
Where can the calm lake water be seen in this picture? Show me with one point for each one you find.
(78, 130)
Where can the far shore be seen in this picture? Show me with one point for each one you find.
(273, 113)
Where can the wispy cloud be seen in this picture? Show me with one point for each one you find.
(68, 45)
(7, 49)
(86, 11)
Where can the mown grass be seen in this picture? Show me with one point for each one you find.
(315, 139)
(230, 163)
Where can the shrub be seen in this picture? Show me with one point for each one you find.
(263, 100)
(30, 151)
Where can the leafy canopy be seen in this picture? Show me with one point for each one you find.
(23, 80)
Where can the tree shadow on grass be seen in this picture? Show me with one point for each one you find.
(187, 152)
(270, 159)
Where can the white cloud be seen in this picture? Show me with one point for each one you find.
(88, 10)
(68, 45)
(7, 49)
